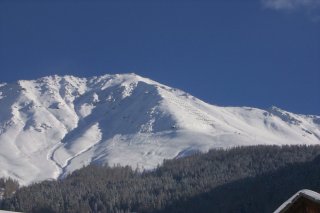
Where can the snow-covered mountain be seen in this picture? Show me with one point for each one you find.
(54, 125)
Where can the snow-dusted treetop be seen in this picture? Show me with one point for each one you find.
(54, 125)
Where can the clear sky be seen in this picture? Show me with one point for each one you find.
(255, 53)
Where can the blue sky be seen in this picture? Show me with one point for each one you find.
(227, 52)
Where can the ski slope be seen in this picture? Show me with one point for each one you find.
(54, 125)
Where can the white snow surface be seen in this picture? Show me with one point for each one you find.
(54, 125)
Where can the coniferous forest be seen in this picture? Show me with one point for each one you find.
(241, 179)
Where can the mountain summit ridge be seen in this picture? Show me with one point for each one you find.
(54, 125)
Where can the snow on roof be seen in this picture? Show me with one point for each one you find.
(311, 195)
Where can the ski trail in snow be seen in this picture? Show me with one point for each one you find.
(61, 169)
(69, 160)
(63, 154)
(51, 158)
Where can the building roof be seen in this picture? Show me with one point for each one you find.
(306, 193)
(2, 211)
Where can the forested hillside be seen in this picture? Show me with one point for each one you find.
(243, 179)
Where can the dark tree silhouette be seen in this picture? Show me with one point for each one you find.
(241, 179)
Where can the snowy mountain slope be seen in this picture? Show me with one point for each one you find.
(54, 125)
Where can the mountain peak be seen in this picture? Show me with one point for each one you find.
(56, 124)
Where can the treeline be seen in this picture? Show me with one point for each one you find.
(242, 179)
(7, 187)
